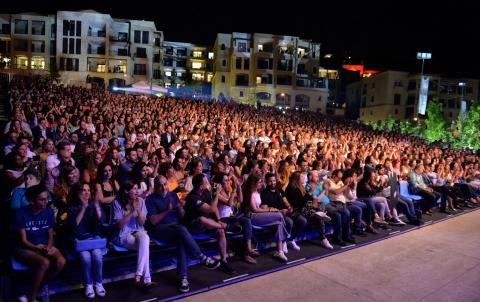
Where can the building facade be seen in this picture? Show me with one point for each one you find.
(83, 46)
(270, 70)
(187, 65)
(395, 94)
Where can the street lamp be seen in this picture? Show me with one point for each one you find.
(463, 103)
(423, 91)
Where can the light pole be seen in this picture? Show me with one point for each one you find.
(423, 91)
(463, 103)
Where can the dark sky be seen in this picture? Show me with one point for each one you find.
(385, 34)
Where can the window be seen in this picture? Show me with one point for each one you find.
(168, 73)
(408, 112)
(241, 80)
(302, 101)
(38, 46)
(71, 29)
(238, 63)
(20, 45)
(156, 74)
(259, 80)
(223, 79)
(241, 94)
(373, 85)
(224, 63)
(412, 85)
(222, 47)
(264, 63)
(196, 76)
(242, 46)
(65, 45)
(397, 98)
(21, 27)
(260, 47)
(6, 29)
(101, 68)
(66, 26)
(71, 46)
(182, 63)
(145, 35)
(411, 100)
(372, 99)
(69, 64)
(209, 77)
(301, 69)
(78, 46)
(141, 52)
(38, 28)
(136, 36)
(197, 54)
(196, 65)
(284, 80)
(246, 63)
(79, 28)
(210, 55)
(140, 69)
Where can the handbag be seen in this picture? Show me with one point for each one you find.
(89, 244)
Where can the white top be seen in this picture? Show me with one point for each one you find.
(256, 199)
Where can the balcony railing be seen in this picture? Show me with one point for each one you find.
(99, 33)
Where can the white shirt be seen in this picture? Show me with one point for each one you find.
(256, 199)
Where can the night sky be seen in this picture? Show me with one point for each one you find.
(385, 35)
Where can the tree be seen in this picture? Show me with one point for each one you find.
(465, 132)
(434, 129)
(389, 123)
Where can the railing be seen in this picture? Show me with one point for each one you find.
(99, 33)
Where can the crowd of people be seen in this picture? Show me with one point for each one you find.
(84, 164)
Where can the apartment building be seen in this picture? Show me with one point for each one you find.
(187, 64)
(395, 94)
(84, 46)
(270, 70)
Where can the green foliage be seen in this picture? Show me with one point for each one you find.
(389, 123)
(434, 129)
(465, 131)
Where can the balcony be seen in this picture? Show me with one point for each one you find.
(95, 51)
(119, 37)
(122, 52)
(94, 33)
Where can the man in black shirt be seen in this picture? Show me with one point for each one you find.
(272, 197)
(201, 214)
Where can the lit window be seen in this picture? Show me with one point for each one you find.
(196, 65)
(101, 68)
(260, 47)
(197, 54)
(168, 73)
(259, 80)
(301, 52)
(179, 74)
(210, 55)
(209, 77)
(197, 76)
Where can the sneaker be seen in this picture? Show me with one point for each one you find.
(323, 216)
(293, 245)
(280, 256)
(99, 290)
(23, 298)
(89, 293)
(285, 248)
(326, 244)
(226, 268)
(210, 263)
(184, 286)
(399, 221)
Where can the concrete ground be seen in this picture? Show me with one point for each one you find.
(437, 263)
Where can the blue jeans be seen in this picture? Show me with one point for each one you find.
(295, 225)
(340, 219)
(179, 236)
(356, 209)
(92, 264)
(409, 208)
